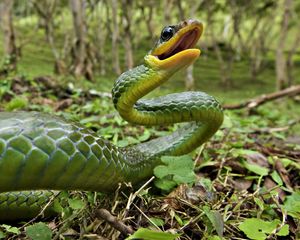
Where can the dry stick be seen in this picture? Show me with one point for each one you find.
(113, 221)
(255, 102)
(133, 196)
(140, 210)
(278, 129)
(284, 216)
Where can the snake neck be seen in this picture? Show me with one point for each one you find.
(202, 111)
(132, 86)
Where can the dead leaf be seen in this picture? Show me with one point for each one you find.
(258, 159)
(236, 166)
(270, 184)
(283, 173)
(178, 192)
(63, 104)
(240, 183)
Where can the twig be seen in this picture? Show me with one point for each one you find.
(190, 222)
(146, 216)
(66, 223)
(278, 129)
(284, 215)
(113, 221)
(133, 196)
(255, 102)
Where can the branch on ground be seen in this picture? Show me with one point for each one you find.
(113, 221)
(255, 102)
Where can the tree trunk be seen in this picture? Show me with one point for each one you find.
(101, 35)
(256, 58)
(10, 48)
(237, 17)
(168, 5)
(189, 77)
(126, 20)
(224, 66)
(289, 62)
(257, 44)
(115, 37)
(148, 17)
(46, 11)
(281, 74)
(82, 65)
(180, 10)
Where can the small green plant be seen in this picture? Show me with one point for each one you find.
(147, 234)
(292, 205)
(6, 230)
(39, 231)
(258, 229)
(5, 87)
(17, 103)
(175, 171)
(215, 221)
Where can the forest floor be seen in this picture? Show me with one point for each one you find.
(244, 183)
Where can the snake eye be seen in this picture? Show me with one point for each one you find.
(167, 33)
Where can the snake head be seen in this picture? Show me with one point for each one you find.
(175, 47)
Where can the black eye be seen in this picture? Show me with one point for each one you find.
(167, 33)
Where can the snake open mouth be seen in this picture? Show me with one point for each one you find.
(177, 39)
(187, 41)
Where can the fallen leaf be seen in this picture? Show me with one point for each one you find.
(270, 184)
(283, 173)
(240, 183)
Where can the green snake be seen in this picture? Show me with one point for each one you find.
(40, 152)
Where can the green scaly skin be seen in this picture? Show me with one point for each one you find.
(39, 151)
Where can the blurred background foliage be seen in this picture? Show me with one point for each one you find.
(248, 47)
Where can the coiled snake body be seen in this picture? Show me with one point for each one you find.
(39, 151)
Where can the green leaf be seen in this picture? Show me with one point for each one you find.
(216, 219)
(11, 229)
(147, 234)
(146, 135)
(39, 231)
(165, 184)
(178, 219)
(276, 177)
(227, 123)
(2, 235)
(76, 203)
(292, 205)
(259, 170)
(16, 103)
(57, 206)
(214, 238)
(258, 229)
(287, 162)
(284, 231)
(240, 152)
(176, 169)
(157, 221)
(259, 203)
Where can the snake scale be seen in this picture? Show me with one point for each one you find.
(40, 152)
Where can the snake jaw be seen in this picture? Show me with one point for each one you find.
(178, 51)
(187, 41)
(175, 62)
